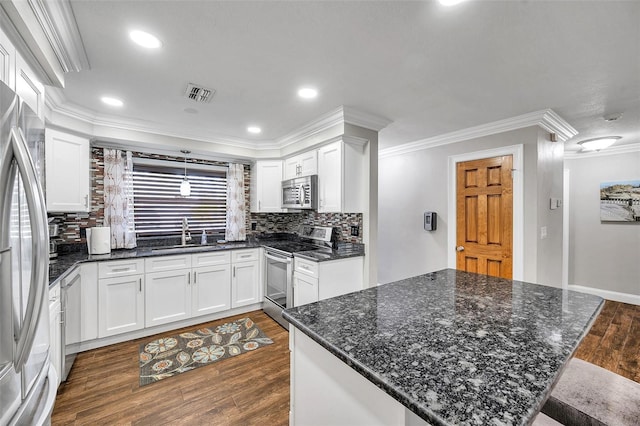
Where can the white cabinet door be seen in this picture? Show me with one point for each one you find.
(55, 330)
(211, 289)
(7, 61)
(330, 175)
(308, 163)
(89, 301)
(305, 289)
(67, 172)
(121, 305)
(266, 187)
(304, 164)
(167, 297)
(291, 168)
(28, 87)
(245, 284)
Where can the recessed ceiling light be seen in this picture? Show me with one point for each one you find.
(254, 129)
(145, 39)
(307, 93)
(450, 2)
(111, 101)
(597, 144)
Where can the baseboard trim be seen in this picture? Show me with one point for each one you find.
(633, 299)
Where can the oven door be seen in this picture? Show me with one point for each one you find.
(278, 285)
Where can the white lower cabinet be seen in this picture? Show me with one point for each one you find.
(55, 330)
(211, 290)
(133, 294)
(246, 287)
(167, 297)
(313, 281)
(121, 297)
(305, 289)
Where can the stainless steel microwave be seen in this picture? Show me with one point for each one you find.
(300, 193)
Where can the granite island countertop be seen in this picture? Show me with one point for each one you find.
(455, 347)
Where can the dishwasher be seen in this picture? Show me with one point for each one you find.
(71, 293)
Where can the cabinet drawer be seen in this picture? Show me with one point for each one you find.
(245, 255)
(210, 259)
(167, 263)
(306, 267)
(120, 268)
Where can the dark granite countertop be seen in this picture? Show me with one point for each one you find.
(454, 347)
(343, 251)
(64, 263)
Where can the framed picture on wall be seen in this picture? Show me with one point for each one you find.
(620, 201)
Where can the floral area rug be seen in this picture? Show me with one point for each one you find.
(168, 356)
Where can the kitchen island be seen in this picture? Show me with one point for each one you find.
(444, 348)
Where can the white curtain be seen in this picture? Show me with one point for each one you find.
(118, 198)
(235, 230)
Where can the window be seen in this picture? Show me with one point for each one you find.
(159, 208)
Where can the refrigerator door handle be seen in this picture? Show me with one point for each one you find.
(39, 266)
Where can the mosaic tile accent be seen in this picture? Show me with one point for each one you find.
(290, 222)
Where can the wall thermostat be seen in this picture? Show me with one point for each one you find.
(430, 221)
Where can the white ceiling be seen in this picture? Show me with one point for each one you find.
(430, 70)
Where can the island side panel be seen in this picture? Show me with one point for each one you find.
(325, 391)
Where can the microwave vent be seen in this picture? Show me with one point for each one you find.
(198, 93)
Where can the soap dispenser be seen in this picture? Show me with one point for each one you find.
(203, 239)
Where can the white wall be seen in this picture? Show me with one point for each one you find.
(412, 183)
(602, 255)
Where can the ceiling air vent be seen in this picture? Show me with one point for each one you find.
(199, 93)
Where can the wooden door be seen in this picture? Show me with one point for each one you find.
(485, 216)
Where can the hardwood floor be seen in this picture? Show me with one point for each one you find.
(103, 387)
(614, 340)
(254, 388)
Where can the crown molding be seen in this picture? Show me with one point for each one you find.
(320, 124)
(547, 119)
(364, 119)
(61, 29)
(55, 102)
(612, 150)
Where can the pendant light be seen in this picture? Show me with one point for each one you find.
(185, 186)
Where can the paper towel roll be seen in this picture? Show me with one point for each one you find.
(100, 240)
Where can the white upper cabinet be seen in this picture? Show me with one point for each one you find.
(266, 187)
(67, 172)
(16, 73)
(304, 164)
(341, 177)
(28, 87)
(7, 61)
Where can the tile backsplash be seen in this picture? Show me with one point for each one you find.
(290, 222)
(71, 225)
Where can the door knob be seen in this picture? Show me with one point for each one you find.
(460, 248)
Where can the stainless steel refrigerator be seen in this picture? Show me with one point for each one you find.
(27, 380)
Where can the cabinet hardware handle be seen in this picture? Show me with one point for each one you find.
(259, 204)
(86, 201)
(234, 271)
(140, 285)
(120, 269)
(195, 277)
(188, 277)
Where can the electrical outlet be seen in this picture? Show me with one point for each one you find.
(83, 232)
(355, 230)
(254, 226)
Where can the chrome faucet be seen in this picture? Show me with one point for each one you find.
(186, 235)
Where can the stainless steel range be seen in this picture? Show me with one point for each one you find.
(278, 255)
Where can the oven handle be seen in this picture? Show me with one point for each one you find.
(277, 258)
